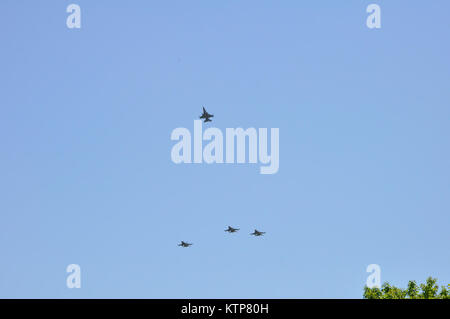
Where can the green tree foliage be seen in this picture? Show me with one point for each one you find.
(429, 290)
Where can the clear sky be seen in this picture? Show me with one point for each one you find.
(86, 175)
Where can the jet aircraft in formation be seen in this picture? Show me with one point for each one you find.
(206, 116)
(229, 230)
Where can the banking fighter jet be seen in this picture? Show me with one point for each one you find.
(206, 116)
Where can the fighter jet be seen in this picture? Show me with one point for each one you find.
(183, 244)
(258, 233)
(231, 229)
(206, 116)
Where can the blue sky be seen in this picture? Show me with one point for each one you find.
(86, 175)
